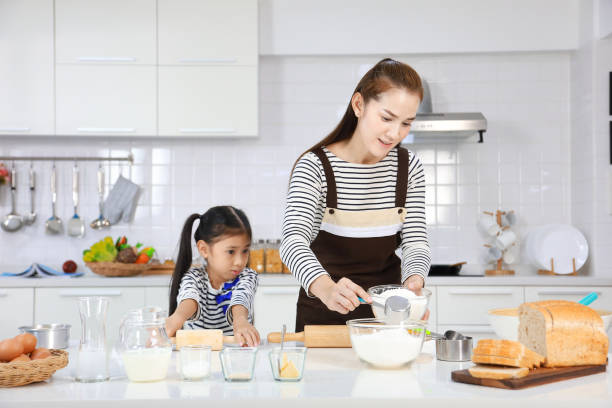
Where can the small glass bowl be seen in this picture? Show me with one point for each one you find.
(238, 363)
(195, 362)
(386, 345)
(418, 303)
(292, 361)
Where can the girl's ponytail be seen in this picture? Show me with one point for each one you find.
(183, 261)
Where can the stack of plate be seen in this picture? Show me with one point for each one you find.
(560, 242)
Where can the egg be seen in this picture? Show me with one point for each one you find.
(23, 357)
(40, 353)
(9, 349)
(28, 341)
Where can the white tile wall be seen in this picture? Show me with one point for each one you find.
(523, 165)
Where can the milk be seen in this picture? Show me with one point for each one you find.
(149, 364)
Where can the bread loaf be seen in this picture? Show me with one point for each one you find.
(497, 373)
(566, 333)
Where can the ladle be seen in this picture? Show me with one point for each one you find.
(54, 224)
(12, 221)
(30, 218)
(100, 222)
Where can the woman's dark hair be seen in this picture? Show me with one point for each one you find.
(214, 223)
(387, 73)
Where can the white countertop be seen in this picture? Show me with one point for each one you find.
(332, 377)
(90, 279)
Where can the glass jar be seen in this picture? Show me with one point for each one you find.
(273, 260)
(256, 257)
(145, 347)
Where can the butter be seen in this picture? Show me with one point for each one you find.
(288, 369)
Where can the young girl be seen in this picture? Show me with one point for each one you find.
(354, 198)
(218, 295)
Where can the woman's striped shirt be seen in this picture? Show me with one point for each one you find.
(359, 187)
(215, 305)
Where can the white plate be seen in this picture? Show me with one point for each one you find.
(532, 237)
(562, 243)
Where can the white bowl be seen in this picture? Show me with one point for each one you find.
(505, 322)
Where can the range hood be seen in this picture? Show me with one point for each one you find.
(457, 124)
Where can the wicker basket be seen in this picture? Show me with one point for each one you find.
(26, 372)
(117, 268)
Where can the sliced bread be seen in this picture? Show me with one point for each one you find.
(509, 349)
(497, 373)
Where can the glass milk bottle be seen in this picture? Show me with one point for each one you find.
(92, 358)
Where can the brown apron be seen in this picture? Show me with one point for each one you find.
(358, 245)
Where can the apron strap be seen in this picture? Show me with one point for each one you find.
(401, 186)
(332, 195)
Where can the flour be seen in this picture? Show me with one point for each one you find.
(418, 304)
(387, 348)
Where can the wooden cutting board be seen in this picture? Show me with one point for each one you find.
(537, 376)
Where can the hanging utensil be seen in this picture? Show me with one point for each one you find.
(100, 222)
(54, 224)
(75, 226)
(30, 218)
(12, 221)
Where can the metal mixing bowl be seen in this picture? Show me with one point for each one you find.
(51, 336)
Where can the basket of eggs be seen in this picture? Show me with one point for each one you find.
(117, 258)
(22, 363)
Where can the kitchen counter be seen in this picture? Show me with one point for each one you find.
(333, 377)
(92, 280)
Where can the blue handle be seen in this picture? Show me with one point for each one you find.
(361, 300)
(588, 299)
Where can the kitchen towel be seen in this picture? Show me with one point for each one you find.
(122, 200)
(37, 270)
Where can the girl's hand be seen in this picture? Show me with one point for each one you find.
(342, 296)
(415, 283)
(173, 323)
(245, 333)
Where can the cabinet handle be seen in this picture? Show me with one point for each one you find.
(483, 292)
(207, 60)
(279, 290)
(15, 129)
(107, 130)
(89, 292)
(561, 292)
(207, 130)
(106, 59)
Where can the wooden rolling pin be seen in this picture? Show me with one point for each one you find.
(210, 337)
(317, 336)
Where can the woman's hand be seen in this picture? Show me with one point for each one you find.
(245, 333)
(415, 283)
(340, 297)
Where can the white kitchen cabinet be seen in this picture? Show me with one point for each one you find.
(157, 296)
(26, 67)
(464, 305)
(275, 306)
(215, 32)
(105, 31)
(16, 309)
(106, 100)
(60, 305)
(207, 101)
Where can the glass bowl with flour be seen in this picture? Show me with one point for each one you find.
(386, 345)
(418, 303)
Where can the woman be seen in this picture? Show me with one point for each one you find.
(354, 198)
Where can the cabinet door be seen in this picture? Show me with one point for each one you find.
(207, 101)
(60, 305)
(26, 67)
(16, 309)
(275, 306)
(465, 305)
(105, 31)
(207, 32)
(106, 100)
(157, 296)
